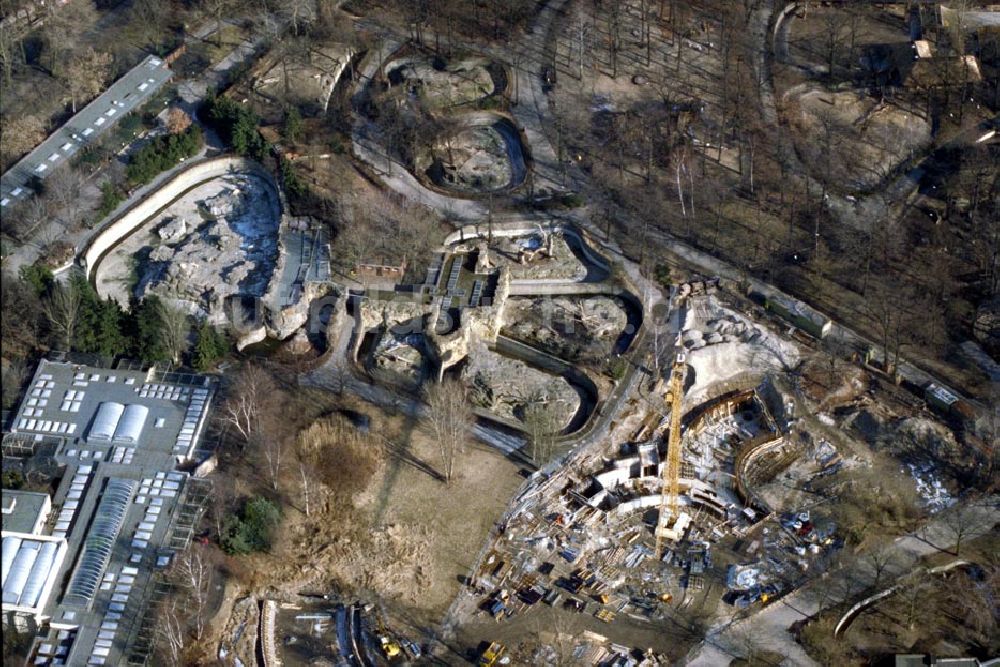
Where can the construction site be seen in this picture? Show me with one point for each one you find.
(538, 412)
(710, 496)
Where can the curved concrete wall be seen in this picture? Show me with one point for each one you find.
(849, 616)
(162, 197)
(518, 153)
(521, 228)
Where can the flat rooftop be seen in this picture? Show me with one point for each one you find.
(24, 511)
(122, 97)
(122, 509)
(116, 413)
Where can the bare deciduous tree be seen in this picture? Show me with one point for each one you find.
(178, 120)
(192, 574)
(176, 330)
(84, 75)
(11, 50)
(170, 635)
(64, 188)
(272, 448)
(62, 308)
(299, 13)
(21, 133)
(243, 409)
(450, 420)
(147, 21)
(218, 9)
(879, 558)
(964, 522)
(541, 426)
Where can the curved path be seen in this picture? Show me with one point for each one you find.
(769, 627)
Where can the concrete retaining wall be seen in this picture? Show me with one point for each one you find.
(159, 199)
(522, 228)
(849, 616)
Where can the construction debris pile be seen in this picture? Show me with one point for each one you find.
(586, 541)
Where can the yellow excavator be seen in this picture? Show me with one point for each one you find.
(492, 655)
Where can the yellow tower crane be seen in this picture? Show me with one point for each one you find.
(670, 524)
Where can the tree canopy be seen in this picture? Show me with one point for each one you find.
(163, 153)
(252, 529)
(237, 126)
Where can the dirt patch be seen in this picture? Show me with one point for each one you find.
(308, 80)
(407, 538)
(829, 382)
(438, 84)
(478, 154)
(506, 386)
(542, 259)
(852, 140)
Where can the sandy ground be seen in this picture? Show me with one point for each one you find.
(513, 384)
(563, 265)
(453, 519)
(735, 345)
(459, 83)
(584, 329)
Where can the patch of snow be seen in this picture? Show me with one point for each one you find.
(929, 487)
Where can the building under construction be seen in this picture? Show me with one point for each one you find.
(634, 528)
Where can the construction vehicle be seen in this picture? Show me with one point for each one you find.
(605, 615)
(492, 655)
(389, 647)
(671, 523)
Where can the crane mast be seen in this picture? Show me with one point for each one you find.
(668, 525)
